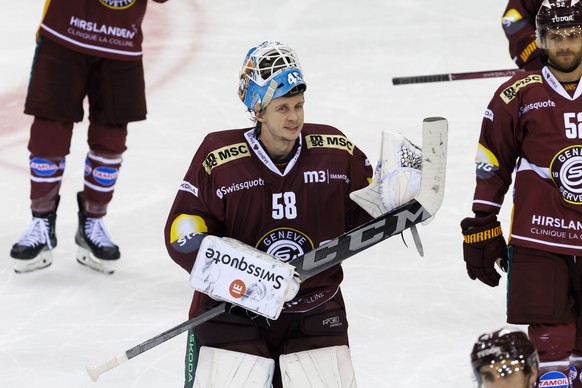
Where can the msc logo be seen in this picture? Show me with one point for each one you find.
(330, 141)
(224, 155)
(315, 177)
(509, 93)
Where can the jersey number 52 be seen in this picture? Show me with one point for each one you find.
(573, 123)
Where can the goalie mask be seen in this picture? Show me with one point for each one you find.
(505, 351)
(558, 15)
(269, 71)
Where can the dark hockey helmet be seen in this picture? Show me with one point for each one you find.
(557, 14)
(508, 346)
(270, 70)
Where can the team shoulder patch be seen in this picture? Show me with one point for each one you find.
(330, 141)
(510, 92)
(224, 155)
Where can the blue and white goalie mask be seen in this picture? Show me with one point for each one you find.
(269, 71)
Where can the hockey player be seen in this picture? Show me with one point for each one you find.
(518, 23)
(533, 125)
(505, 358)
(276, 190)
(84, 48)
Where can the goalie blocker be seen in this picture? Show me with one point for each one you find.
(229, 270)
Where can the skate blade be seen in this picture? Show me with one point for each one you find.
(84, 257)
(43, 260)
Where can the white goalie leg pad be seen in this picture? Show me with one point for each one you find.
(227, 269)
(329, 367)
(397, 176)
(219, 368)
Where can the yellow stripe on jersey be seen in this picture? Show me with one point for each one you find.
(224, 155)
(330, 141)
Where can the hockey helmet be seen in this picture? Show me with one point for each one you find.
(508, 349)
(557, 14)
(270, 70)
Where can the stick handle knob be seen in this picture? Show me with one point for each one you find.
(97, 370)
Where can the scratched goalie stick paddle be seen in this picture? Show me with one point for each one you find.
(417, 210)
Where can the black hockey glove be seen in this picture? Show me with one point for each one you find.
(483, 246)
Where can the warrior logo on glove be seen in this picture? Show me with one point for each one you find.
(483, 247)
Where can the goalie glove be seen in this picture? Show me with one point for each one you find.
(229, 270)
(397, 176)
(483, 247)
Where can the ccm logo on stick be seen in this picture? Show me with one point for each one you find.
(362, 238)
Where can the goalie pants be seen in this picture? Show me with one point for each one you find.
(544, 291)
(60, 80)
(325, 325)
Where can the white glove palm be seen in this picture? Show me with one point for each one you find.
(397, 176)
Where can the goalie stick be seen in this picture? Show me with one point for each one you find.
(417, 79)
(417, 210)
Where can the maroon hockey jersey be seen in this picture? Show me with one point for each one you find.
(102, 28)
(232, 188)
(519, 26)
(533, 125)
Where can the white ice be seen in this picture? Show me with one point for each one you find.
(412, 320)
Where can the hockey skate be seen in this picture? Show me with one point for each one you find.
(96, 250)
(33, 250)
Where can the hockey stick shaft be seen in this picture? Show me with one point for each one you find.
(97, 370)
(425, 205)
(454, 76)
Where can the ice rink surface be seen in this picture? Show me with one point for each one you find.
(412, 320)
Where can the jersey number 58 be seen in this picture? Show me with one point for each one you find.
(284, 206)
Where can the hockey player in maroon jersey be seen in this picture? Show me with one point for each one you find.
(505, 358)
(519, 26)
(93, 49)
(281, 189)
(533, 126)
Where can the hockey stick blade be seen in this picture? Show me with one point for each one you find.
(419, 79)
(419, 209)
(434, 163)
